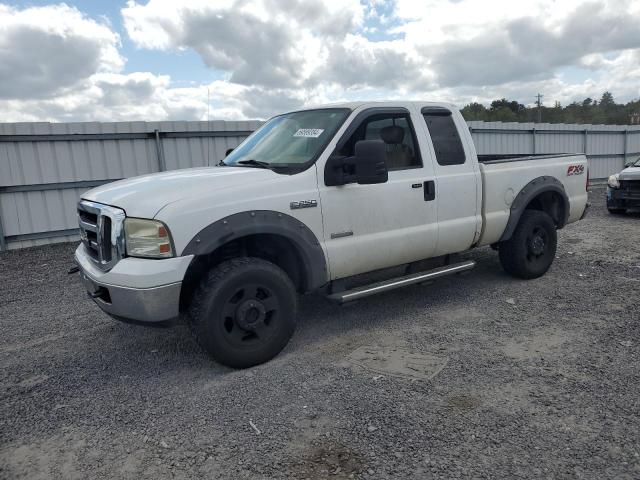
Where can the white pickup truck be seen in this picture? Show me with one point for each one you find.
(347, 200)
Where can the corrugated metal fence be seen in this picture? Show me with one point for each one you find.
(44, 168)
(608, 147)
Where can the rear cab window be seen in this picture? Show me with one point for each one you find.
(446, 140)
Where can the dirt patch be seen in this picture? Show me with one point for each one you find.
(53, 457)
(540, 343)
(312, 426)
(398, 362)
(463, 402)
(327, 460)
(34, 381)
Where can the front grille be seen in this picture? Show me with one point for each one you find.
(89, 217)
(101, 232)
(630, 185)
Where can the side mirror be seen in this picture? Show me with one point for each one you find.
(371, 162)
(229, 150)
(367, 167)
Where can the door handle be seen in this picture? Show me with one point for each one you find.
(429, 190)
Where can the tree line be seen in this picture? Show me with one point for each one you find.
(604, 111)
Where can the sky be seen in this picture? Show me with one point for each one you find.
(91, 60)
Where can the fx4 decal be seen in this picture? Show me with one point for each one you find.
(575, 170)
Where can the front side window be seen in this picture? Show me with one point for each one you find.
(444, 136)
(395, 130)
(292, 140)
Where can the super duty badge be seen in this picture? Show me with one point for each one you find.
(303, 204)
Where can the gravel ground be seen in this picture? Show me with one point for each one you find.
(541, 379)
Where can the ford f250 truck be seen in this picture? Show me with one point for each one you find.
(347, 200)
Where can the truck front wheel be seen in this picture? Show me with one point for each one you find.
(531, 249)
(244, 312)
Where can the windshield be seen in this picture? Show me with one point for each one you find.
(636, 163)
(290, 140)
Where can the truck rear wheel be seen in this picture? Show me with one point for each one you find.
(244, 312)
(532, 248)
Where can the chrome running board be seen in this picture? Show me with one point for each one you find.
(398, 282)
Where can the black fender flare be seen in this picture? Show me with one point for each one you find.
(257, 222)
(530, 191)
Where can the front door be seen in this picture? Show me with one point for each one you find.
(368, 227)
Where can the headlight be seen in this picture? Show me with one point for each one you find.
(613, 181)
(147, 238)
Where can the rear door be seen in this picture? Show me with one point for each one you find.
(458, 184)
(368, 227)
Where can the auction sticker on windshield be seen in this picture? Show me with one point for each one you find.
(309, 132)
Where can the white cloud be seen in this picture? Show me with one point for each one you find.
(357, 63)
(270, 43)
(526, 48)
(125, 97)
(57, 64)
(272, 55)
(48, 50)
(439, 46)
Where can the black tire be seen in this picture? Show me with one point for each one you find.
(244, 312)
(532, 248)
(617, 211)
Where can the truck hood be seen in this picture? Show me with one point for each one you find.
(146, 195)
(630, 173)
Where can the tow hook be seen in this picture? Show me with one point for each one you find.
(74, 269)
(97, 294)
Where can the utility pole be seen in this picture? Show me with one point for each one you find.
(539, 104)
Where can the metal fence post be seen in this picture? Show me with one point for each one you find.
(586, 139)
(162, 166)
(533, 137)
(586, 143)
(626, 147)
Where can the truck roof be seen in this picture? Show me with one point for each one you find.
(379, 103)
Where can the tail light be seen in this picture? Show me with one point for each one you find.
(586, 187)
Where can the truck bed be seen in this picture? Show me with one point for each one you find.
(503, 178)
(493, 159)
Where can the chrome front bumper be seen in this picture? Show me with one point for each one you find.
(135, 289)
(623, 198)
(157, 304)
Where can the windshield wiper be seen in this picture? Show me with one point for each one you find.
(221, 164)
(254, 163)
